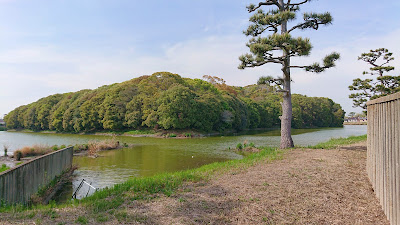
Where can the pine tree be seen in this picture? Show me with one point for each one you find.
(369, 89)
(279, 47)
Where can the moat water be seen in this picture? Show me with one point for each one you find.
(148, 156)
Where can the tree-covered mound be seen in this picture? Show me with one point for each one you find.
(168, 101)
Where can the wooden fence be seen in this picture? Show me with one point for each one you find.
(20, 183)
(383, 155)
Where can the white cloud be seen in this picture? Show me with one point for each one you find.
(39, 71)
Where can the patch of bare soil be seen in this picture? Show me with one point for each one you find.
(306, 187)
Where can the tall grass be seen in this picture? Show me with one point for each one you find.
(34, 150)
(95, 146)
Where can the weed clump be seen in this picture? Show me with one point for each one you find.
(95, 146)
(34, 150)
(246, 147)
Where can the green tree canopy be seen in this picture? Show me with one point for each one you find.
(168, 101)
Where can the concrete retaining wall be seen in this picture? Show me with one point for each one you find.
(383, 155)
(20, 183)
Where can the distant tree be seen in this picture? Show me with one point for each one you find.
(279, 47)
(352, 114)
(369, 89)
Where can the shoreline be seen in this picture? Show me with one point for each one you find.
(252, 190)
(355, 123)
(177, 134)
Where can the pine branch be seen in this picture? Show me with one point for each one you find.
(270, 21)
(313, 20)
(249, 61)
(252, 7)
(328, 62)
(372, 57)
(289, 4)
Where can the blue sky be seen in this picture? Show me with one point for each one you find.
(58, 46)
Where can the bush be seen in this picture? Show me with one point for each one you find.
(239, 146)
(18, 155)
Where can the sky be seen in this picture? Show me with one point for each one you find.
(58, 46)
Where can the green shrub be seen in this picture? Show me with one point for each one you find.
(18, 155)
(239, 146)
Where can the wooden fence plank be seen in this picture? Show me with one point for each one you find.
(383, 153)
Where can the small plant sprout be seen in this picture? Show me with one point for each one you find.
(5, 146)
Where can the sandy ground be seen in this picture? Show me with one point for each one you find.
(305, 187)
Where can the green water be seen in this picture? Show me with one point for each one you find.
(149, 156)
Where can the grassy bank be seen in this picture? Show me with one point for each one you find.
(336, 142)
(150, 187)
(109, 202)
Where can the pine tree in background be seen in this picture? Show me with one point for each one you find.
(279, 46)
(369, 89)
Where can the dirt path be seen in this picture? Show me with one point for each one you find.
(306, 187)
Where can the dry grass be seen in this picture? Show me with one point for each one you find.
(306, 187)
(95, 146)
(34, 150)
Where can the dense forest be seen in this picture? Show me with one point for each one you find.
(168, 101)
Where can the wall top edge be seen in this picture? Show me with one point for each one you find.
(384, 99)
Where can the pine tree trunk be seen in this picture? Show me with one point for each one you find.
(286, 118)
